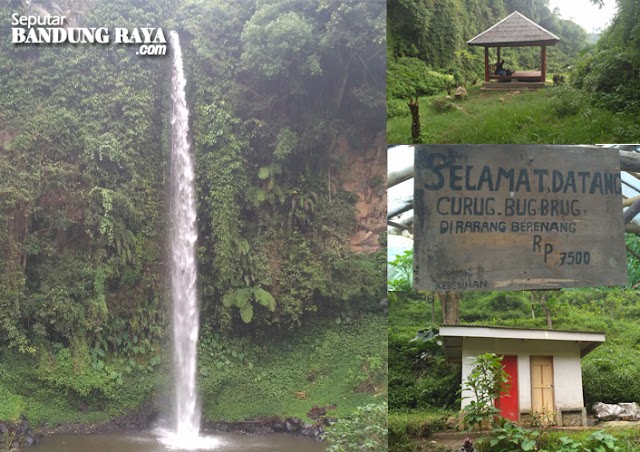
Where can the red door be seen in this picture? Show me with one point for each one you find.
(508, 401)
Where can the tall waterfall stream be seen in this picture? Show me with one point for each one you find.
(185, 431)
(183, 257)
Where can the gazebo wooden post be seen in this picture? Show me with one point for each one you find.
(486, 64)
(543, 64)
(498, 55)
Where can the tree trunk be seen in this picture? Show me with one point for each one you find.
(450, 304)
(432, 298)
(414, 106)
(16, 259)
(342, 84)
(547, 313)
(533, 310)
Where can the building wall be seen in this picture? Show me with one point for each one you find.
(566, 367)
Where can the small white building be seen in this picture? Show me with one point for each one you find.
(543, 367)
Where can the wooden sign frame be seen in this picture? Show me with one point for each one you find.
(517, 217)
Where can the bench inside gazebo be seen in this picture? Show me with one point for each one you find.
(514, 30)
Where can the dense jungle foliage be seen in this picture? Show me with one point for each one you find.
(427, 52)
(427, 39)
(274, 89)
(596, 100)
(610, 70)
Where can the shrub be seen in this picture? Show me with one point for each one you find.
(633, 264)
(404, 428)
(487, 379)
(488, 307)
(596, 441)
(397, 107)
(568, 101)
(403, 264)
(364, 430)
(612, 74)
(419, 374)
(408, 77)
(513, 437)
(442, 105)
(611, 375)
(72, 370)
(11, 405)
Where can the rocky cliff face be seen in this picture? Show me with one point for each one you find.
(364, 174)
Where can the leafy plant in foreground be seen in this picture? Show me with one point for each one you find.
(600, 442)
(486, 381)
(365, 430)
(404, 264)
(513, 437)
(595, 442)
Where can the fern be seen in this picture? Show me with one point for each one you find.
(243, 300)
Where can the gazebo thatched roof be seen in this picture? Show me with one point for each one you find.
(515, 30)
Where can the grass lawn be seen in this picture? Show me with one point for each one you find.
(550, 116)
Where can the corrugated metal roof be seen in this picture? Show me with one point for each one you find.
(453, 339)
(499, 327)
(513, 31)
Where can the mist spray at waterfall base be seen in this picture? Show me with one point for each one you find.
(184, 434)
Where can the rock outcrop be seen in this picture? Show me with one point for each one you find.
(17, 435)
(364, 175)
(617, 412)
(291, 425)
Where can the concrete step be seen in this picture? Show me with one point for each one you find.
(511, 86)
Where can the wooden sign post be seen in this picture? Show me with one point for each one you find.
(515, 217)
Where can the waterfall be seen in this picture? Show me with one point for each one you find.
(184, 434)
(183, 257)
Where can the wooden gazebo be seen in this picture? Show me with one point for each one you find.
(514, 30)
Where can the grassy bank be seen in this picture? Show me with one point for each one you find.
(407, 430)
(422, 394)
(551, 116)
(328, 364)
(343, 365)
(26, 387)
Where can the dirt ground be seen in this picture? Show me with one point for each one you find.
(446, 441)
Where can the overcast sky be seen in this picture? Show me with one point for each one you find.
(584, 13)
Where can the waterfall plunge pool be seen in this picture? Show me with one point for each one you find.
(151, 442)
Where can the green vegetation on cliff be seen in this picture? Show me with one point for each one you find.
(279, 93)
(327, 364)
(609, 72)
